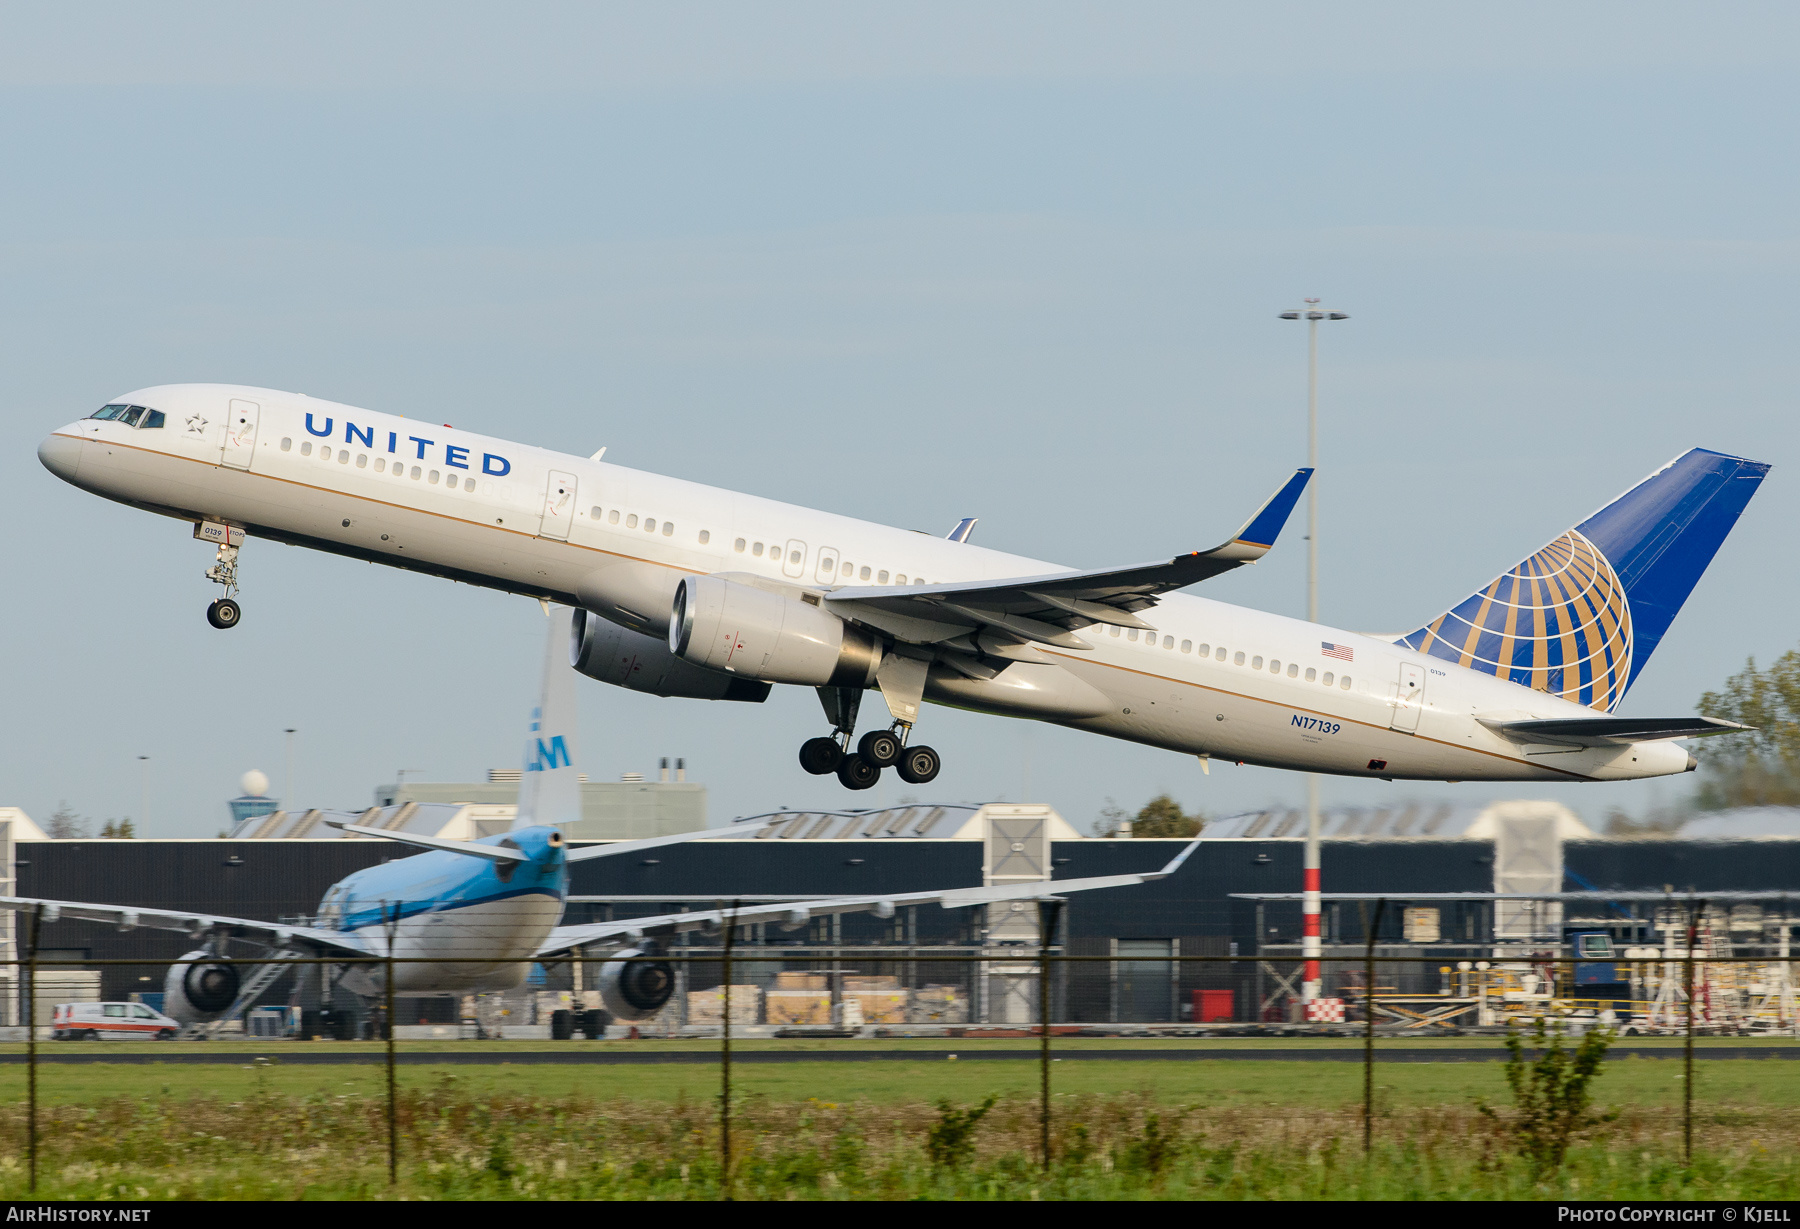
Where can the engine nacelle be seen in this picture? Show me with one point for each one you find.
(724, 625)
(634, 985)
(197, 990)
(603, 650)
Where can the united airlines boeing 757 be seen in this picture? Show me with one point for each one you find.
(691, 591)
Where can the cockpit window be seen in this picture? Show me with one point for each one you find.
(130, 415)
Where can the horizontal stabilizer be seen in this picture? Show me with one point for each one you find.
(493, 853)
(1610, 731)
(616, 848)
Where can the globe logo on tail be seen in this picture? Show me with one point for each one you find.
(1558, 623)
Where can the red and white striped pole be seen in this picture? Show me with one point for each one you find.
(1312, 313)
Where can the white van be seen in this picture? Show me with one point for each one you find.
(111, 1021)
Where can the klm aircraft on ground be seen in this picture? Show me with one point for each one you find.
(692, 591)
(475, 915)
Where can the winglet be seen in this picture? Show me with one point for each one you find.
(963, 529)
(1260, 531)
(1175, 862)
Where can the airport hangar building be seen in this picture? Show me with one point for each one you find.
(278, 866)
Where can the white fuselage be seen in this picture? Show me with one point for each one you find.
(615, 540)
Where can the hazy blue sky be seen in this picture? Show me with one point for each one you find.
(906, 262)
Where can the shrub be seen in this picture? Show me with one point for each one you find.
(950, 1141)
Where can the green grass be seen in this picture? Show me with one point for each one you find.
(1192, 1129)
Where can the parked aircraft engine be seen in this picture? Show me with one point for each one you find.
(634, 985)
(724, 625)
(197, 990)
(603, 650)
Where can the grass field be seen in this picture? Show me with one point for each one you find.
(1193, 1129)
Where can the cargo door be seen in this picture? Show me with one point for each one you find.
(240, 434)
(559, 506)
(1409, 698)
(793, 564)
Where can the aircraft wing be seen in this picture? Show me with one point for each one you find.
(1050, 609)
(1610, 731)
(797, 913)
(130, 917)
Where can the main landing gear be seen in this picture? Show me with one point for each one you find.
(878, 749)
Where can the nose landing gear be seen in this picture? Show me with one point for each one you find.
(224, 612)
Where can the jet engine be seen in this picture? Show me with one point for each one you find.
(725, 625)
(634, 985)
(197, 990)
(603, 650)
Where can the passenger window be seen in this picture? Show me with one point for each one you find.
(881, 578)
(1132, 634)
(139, 1011)
(152, 420)
(668, 529)
(362, 460)
(900, 579)
(757, 550)
(1274, 666)
(793, 556)
(649, 524)
(1256, 663)
(1294, 671)
(1220, 655)
(416, 471)
(1344, 683)
(114, 1009)
(849, 568)
(306, 448)
(612, 518)
(863, 575)
(1187, 646)
(468, 484)
(1204, 650)
(706, 536)
(380, 465)
(631, 521)
(1237, 660)
(1327, 679)
(1311, 674)
(287, 444)
(433, 477)
(1113, 628)
(738, 546)
(1168, 642)
(596, 513)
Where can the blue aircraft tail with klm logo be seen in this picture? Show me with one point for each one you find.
(550, 785)
(1580, 618)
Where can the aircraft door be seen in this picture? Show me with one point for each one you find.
(559, 506)
(240, 434)
(793, 564)
(1409, 698)
(828, 559)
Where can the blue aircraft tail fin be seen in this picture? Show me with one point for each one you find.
(550, 786)
(1580, 618)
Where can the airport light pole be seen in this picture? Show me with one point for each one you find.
(1312, 313)
(144, 791)
(287, 786)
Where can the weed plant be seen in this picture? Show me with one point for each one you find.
(1132, 1146)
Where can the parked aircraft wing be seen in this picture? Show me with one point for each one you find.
(1048, 609)
(798, 913)
(130, 917)
(1609, 731)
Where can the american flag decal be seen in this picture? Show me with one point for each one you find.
(1342, 652)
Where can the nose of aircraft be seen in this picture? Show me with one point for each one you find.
(61, 456)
